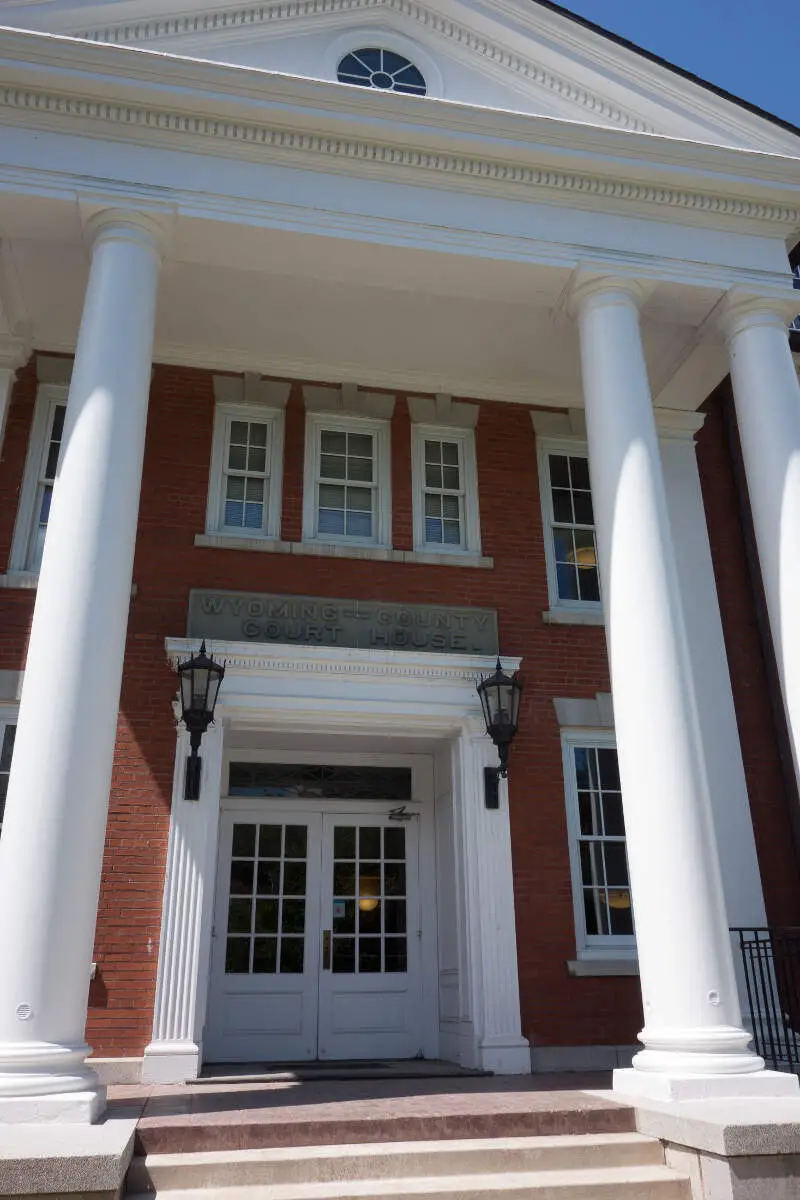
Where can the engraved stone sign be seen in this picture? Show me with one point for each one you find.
(362, 624)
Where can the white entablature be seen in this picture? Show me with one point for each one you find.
(515, 55)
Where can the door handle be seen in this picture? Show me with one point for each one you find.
(326, 949)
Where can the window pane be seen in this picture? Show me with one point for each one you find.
(296, 841)
(237, 458)
(595, 912)
(589, 584)
(359, 525)
(239, 914)
(581, 756)
(360, 444)
(332, 467)
(293, 916)
(265, 955)
(434, 530)
(584, 513)
(396, 957)
(612, 815)
(592, 864)
(450, 453)
(294, 879)
(452, 533)
(292, 955)
(621, 912)
(433, 452)
(433, 476)
(579, 472)
(609, 768)
(559, 471)
(266, 916)
(451, 477)
(331, 521)
(589, 807)
(237, 956)
(269, 841)
(369, 955)
(244, 841)
(562, 506)
(616, 864)
(369, 842)
(269, 878)
(241, 878)
(333, 442)
(257, 459)
(344, 841)
(360, 470)
(433, 504)
(359, 499)
(394, 843)
(344, 956)
(567, 577)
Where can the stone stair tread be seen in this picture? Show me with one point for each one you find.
(371, 1150)
(651, 1182)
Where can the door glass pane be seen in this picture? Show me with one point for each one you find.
(369, 900)
(266, 900)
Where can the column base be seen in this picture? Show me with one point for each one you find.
(666, 1086)
(64, 1108)
(170, 1062)
(505, 1056)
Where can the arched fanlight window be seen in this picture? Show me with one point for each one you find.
(373, 67)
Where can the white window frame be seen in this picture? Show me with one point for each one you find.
(273, 418)
(316, 422)
(577, 449)
(589, 946)
(48, 396)
(471, 520)
(9, 715)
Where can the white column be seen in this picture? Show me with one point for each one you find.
(489, 911)
(51, 850)
(694, 1043)
(8, 374)
(175, 1051)
(730, 803)
(767, 396)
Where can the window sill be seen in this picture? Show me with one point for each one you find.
(29, 582)
(573, 616)
(221, 541)
(588, 968)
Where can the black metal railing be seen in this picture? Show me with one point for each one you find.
(770, 959)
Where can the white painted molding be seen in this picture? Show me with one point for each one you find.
(50, 369)
(569, 424)
(335, 660)
(250, 16)
(250, 388)
(574, 616)
(348, 398)
(443, 410)
(585, 714)
(593, 968)
(246, 138)
(175, 1050)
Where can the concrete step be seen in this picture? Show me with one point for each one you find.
(391, 1161)
(254, 1121)
(597, 1183)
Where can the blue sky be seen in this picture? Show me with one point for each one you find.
(748, 47)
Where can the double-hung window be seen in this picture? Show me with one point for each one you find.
(347, 495)
(8, 729)
(41, 468)
(570, 536)
(446, 518)
(601, 887)
(244, 496)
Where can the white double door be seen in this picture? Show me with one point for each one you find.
(317, 937)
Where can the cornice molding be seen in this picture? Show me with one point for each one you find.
(260, 15)
(389, 664)
(352, 153)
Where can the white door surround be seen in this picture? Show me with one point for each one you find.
(471, 1013)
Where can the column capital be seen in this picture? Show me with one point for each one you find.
(150, 229)
(14, 353)
(743, 308)
(595, 290)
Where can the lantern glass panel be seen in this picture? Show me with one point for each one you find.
(200, 688)
(186, 690)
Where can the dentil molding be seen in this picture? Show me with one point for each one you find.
(356, 154)
(261, 15)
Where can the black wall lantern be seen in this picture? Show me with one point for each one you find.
(500, 696)
(200, 680)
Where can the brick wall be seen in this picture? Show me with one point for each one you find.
(558, 661)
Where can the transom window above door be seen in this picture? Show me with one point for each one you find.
(374, 67)
(346, 494)
(310, 782)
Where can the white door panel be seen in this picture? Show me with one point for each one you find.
(263, 1003)
(371, 974)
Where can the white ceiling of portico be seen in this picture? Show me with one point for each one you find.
(506, 54)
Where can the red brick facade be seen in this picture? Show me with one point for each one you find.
(558, 661)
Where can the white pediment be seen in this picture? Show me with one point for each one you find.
(496, 54)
